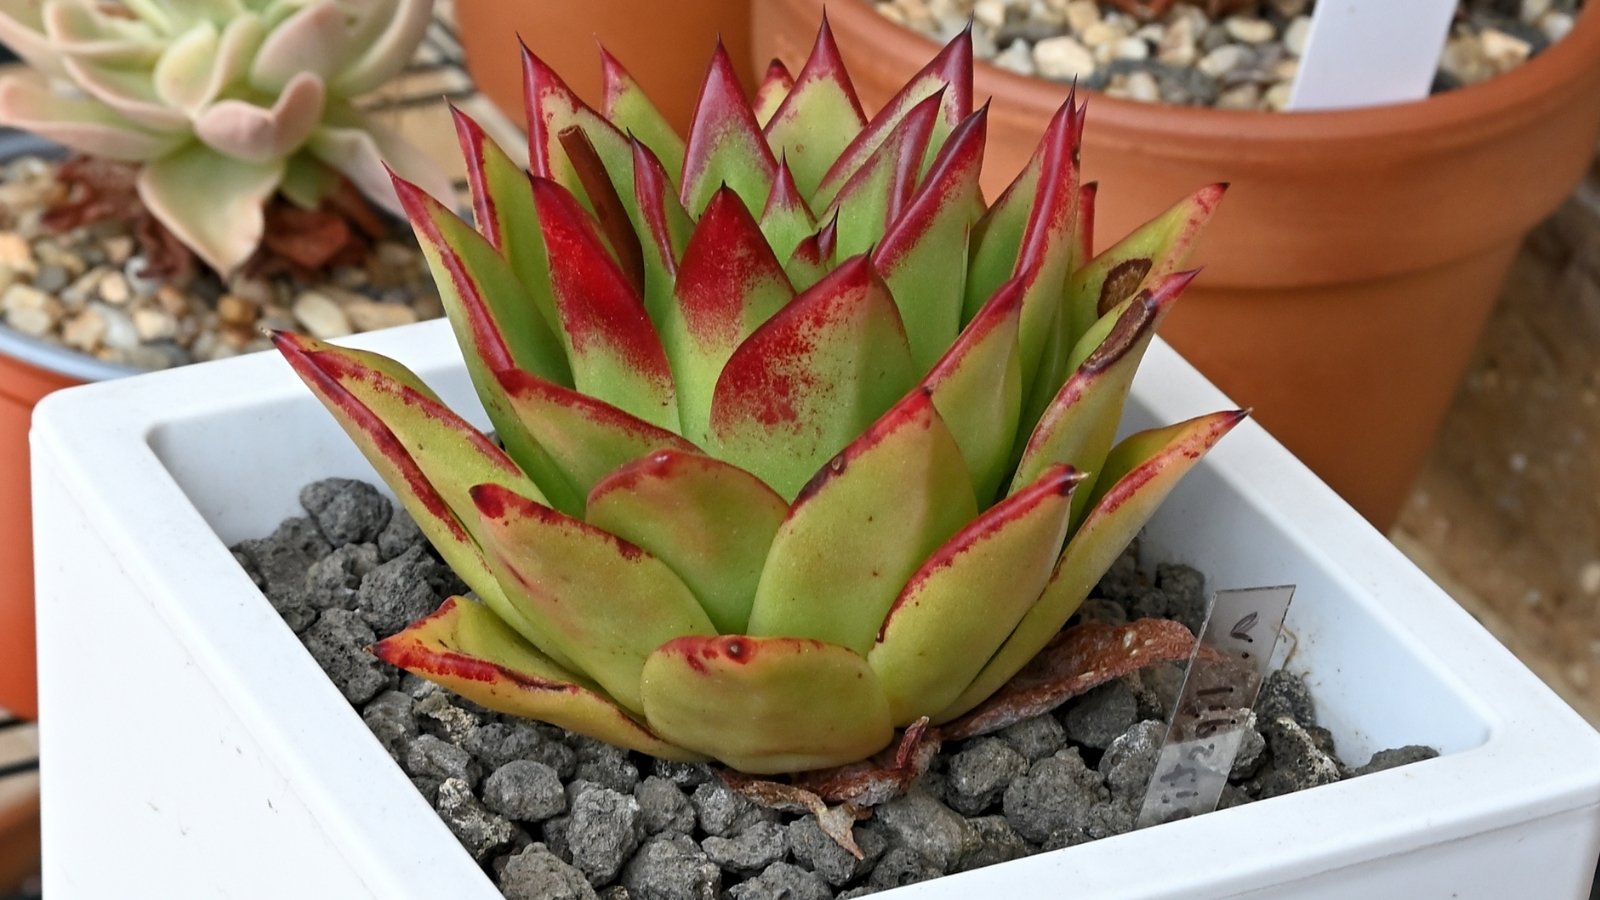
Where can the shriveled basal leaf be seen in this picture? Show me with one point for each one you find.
(1137, 475)
(766, 705)
(819, 117)
(810, 379)
(860, 529)
(710, 522)
(726, 146)
(728, 285)
(977, 388)
(612, 218)
(600, 600)
(466, 648)
(965, 599)
(211, 202)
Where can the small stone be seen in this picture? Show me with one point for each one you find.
(321, 316)
(52, 279)
(154, 325)
(391, 721)
(113, 288)
(602, 830)
(751, 850)
(1464, 59)
(338, 641)
(1251, 753)
(1224, 59)
(525, 790)
(1556, 26)
(671, 867)
(1063, 59)
(447, 716)
(496, 744)
(1185, 588)
(1097, 610)
(1057, 793)
(535, 873)
(236, 310)
(1589, 577)
(1286, 694)
(663, 806)
(979, 774)
(1277, 96)
(84, 331)
(121, 333)
(118, 249)
(347, 511)
(1101, 715)
(283, 558)
(724, 813)
(1400, 756)
(997, 842)
(814, 849)
(481, 832)
(782, 881)
(1504, 51)
(1035, 738)
(1177, 46)
(605, 764)
(1249, 30)
(30, 310)
(400, 591)
(368, 315)
(919, 821)
(1296, 36)
(332, 580)
(1082, 14)
(430, 757)
(899, 867)
(16, 254)
(1132, 48)
(1101, 34)
(1016, 57)
(1131, 759)
(400, 535)
(1297, 762)
(684, 775)
(1245, 96)
(991, 14)
(174, 301)
(1143, 87)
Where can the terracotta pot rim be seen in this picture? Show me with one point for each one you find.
(1500, 103)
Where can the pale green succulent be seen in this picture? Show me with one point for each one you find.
(223, 103)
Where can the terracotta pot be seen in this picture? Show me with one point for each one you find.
(1350, 270)
(666, 48)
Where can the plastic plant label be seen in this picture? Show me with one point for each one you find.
(1225, 673)
(1371, 52)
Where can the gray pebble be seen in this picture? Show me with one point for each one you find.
(1297, 761)
(1122, 578)
(671, 867)
(338, 641)
(977, 776)
(997, 842)
(1131, 759)
(899, 867)
(283, 558)
(1286, 694)
(822, 854)
(1251, 753)
(1400, 756)
(919, 821)
(481, 832)
(601, 830)
(51, 279)
(1098, 717)
(402, 590)
(605, 764)
(346, 511)
(722, 812)
(525, 790)
(751, 850)
(1185, 588)
(1035, 738)
(497, 743)
(1104, 611)
(1157, 689)
(1057, 793)
(430, 757)
(441, 713)
(400, 535)
(535, 873)
(331, 582)
(391, 721)
(782, 881)
(682, 774)
(663, 806)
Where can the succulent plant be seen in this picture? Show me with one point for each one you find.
(224, 104)
(803, 442)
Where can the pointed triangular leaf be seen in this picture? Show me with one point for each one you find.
(726, 146)
(629, 108)
(775, 85)
(766, 705)
(923, 256)
(950, 72)
(584, 438)
(786, 220)
(813, 256)
(820, 116)
(950, 616)
(1136, 477)
(710, 522)
(898, 492)
(882, 187)
(612, 344)
(468, 649)
(977, 388)
(663, 228)
(1081, 422)
(601, 601)
(729, 284)
(811, 378)
(552, 108)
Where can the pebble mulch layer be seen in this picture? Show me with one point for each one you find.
(84, 289)
(553, 815)
(1244, 59)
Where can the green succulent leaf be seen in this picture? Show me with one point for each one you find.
(923, 255)
(819, 117)
(899, 491)
(611, 343)
(977, 388)
(811, 378)
(211, 202)
(786, 220)
(726, 146)
(1155, 250)
(630, 109)
(599, 600)
(813, 257)
(84, 125)
(963, 602)
(1137, 475)
(729, 284)
(766, 705)
(874, 197)
(775, 85)
(467, 649)
(1081, 422)
(710, 522)
(663, 228)
(950, 72)
(552, 108)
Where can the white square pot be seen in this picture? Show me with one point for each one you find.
(192, 748)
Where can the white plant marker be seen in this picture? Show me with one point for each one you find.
(1370, 52)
